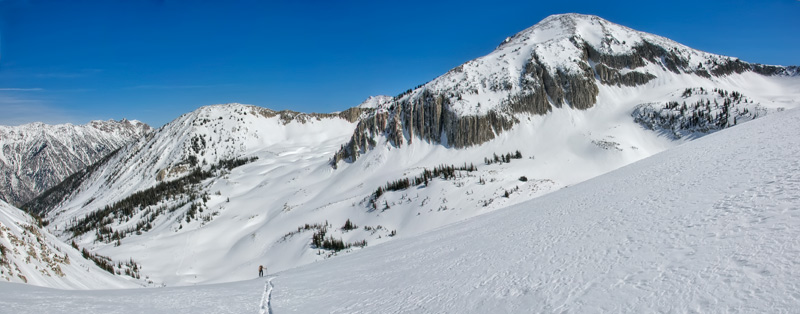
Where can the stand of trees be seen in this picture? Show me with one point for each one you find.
(183, 189)
(130, 267)
(442, 171)
(330, 243)
(502, 158)
(704, 115)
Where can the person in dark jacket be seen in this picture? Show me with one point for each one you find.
(260, 270)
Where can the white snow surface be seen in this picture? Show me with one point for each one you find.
(376, 101)
(234, 298)
(710, 226)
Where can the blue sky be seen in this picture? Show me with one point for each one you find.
(76, 61)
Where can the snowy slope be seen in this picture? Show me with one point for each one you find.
(233, 298)
(292, 152)
(217, 220)
(35, 157)
(709, 226)
(374, 102)
(32, 255)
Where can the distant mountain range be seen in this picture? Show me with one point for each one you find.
(35, 157)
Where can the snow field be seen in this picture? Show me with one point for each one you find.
(234, 298)
(710, 226)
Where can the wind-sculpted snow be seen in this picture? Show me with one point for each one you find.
(711, 226)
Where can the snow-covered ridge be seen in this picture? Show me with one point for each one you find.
(374, 102)
(36, 156)
(205, 137)
(210, 140)
(556, 31)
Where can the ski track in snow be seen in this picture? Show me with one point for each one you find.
(266, 298)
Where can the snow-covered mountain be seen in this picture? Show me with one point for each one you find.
(565, 61)
(218, 191)
(35, 157)
(711, 226)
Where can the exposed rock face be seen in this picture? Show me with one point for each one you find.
(287, 116)
(425, 118)
(613, 77)
(564, 59)
(54, 195)
(35, 157)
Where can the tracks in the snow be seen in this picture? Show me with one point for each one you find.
(266, 306)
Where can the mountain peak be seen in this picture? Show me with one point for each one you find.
(375, 101)
(563, 61)
(560, 30)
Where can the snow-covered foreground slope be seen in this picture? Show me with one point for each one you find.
(709, 226)
(30, 254)
(233, 298)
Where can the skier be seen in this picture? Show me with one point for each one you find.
(260, 270)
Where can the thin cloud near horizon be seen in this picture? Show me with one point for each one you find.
(14, 89)
(177, 86)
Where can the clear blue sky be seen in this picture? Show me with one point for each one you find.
(76, 61)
